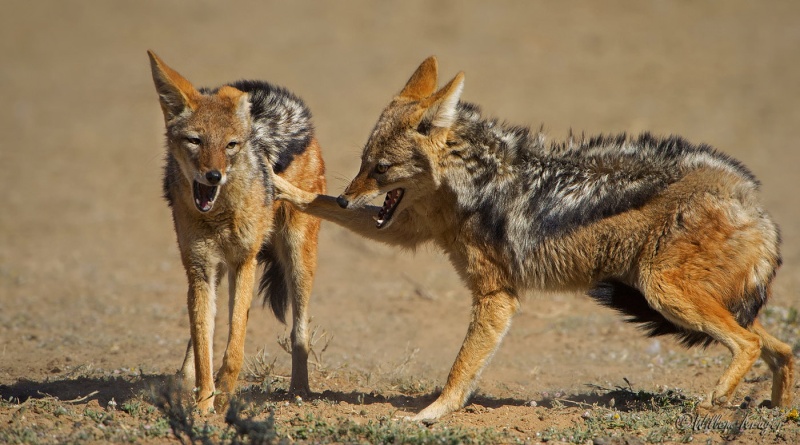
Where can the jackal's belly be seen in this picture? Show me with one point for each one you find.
(575, 261)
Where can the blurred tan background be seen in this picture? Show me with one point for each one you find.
(89, 270)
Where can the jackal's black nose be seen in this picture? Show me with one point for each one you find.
(342, 201)
(213, 177)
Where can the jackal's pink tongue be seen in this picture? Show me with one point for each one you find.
(204, 196)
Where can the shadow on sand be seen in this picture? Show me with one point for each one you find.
(83, 389)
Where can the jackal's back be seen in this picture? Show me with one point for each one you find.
(524, 193)
(510, 174)
(603, 176)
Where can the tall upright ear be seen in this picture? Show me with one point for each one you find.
(423, 82)
(243, 107)
(175, 93)
(239, 98)
(441, 106)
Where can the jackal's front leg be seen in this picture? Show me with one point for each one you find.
(240, 282)
(198, 363)
(491, 317)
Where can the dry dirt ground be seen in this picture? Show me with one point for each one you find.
(92, 293)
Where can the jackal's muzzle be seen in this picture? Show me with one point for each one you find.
(204, 196)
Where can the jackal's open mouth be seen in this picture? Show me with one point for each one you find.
(204, 196)
(391, 202)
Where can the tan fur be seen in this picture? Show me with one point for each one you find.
(422, 83)
(694, 250)
(709, 266)
(229, 237)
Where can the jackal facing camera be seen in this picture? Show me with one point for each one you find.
(223, 146)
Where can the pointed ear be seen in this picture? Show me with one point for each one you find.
(423, 82)
(238, 97)
(243, 107)
(174, 91)
(441, 106)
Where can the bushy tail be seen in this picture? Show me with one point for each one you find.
(630, 302)
(273, 283)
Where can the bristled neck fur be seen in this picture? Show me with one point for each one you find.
(486, 154)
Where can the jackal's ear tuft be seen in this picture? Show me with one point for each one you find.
(442, 104)
(423, 82)
(174, 91)
(243, 107)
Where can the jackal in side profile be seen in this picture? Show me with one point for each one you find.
(223, 146)
(668, 233)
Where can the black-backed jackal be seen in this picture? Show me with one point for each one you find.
(668, 233)
(223, 145)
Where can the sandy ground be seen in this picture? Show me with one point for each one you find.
(90, 277)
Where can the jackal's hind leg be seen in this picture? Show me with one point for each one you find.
(779, 358)
(745, 348)
(689, 307)
(296, 245)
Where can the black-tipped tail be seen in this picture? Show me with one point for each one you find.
(630, 302)
(273, 283)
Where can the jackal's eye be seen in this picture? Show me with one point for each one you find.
(232, 145)
(382, 168)
(193, 140)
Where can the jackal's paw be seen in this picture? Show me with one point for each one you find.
(426, 422)
(714, 405)
(432, 413)
(205, 407)
(286, 191)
